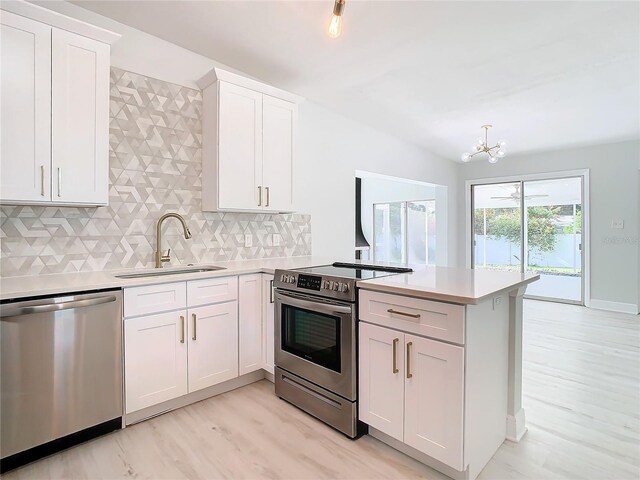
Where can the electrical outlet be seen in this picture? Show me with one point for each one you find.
(617, 223)
(276, 239)
(248, 240)
(497, 301)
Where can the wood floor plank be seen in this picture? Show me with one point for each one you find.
(581, 384)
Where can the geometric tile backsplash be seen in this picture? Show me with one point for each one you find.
(155, 166)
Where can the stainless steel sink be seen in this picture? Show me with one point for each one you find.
(161, 273)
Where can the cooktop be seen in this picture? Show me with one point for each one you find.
(354, 271)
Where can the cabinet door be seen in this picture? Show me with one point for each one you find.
(381, 379)
(25, 103)
(278, 123)
(213, 344)
(268, 314)
(250, 322)
(434, 402)
(239, 148)
(155, 358)
(79, 119)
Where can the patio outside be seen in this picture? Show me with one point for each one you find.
(552, 233)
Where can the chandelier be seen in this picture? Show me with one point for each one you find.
(495, 152)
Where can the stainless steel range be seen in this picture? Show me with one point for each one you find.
(316, 339)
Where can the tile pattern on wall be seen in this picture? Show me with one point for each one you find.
(155, 166)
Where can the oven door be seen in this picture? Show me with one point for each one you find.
(315, 339)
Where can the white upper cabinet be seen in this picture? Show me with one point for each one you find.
(79, 119)
(55, 108)
(278, 123)
(239, 147)
(248, 153)
(25, 159)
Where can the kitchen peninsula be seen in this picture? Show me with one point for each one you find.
(456, 393)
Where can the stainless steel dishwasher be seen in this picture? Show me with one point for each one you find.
(61, 366)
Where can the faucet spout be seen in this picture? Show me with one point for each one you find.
(159, 257)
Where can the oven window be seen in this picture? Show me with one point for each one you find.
(312, 336)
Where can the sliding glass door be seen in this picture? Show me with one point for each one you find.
(532, 226)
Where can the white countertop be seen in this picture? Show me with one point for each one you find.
(455, 285)
(449, 284)
(56, 283)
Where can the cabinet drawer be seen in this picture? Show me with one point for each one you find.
(438, 320)
(154, 298)
(212, 290)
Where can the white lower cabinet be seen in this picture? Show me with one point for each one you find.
(434, 399)
(412, 389)
(189, 348)
(193, 346)
(381, 371)
(250, 322)
(155, 359)
(212, 344)
(268, 318)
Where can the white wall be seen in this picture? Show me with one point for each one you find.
(330, 148)
(614, 195)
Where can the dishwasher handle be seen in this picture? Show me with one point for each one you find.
(11, 311)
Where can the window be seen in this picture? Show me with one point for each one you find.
(405, 232)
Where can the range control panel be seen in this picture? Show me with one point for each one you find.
(333, 287)
(310, 282)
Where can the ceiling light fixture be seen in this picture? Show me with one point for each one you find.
(335, 26)
(496, 152)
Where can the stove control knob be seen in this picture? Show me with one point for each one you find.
(292, 279)
(282, 277)
(336, 286)
(325, 284)
(344, 287)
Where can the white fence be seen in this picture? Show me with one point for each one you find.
(566, 254)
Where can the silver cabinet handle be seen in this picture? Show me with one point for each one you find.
(412, 315)
(270, 291)
(42, 180)
(193, 316)
(267, 189)
(395, 355)
(59, 182)
(409, 374)
(259, 196)
(9, 311)
(181, 328)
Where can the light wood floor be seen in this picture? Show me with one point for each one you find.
(581, 395)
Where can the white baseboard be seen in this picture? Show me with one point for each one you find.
(516, 426)
(614, 306)
(197, 396)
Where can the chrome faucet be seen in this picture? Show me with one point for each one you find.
(160, 258)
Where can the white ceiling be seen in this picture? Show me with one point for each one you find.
(546, 74)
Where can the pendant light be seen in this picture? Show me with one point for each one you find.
(335, 25)
(495, 152)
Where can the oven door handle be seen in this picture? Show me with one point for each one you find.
(317, 306)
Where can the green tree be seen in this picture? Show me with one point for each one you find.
(504, 223)
(577, 223)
